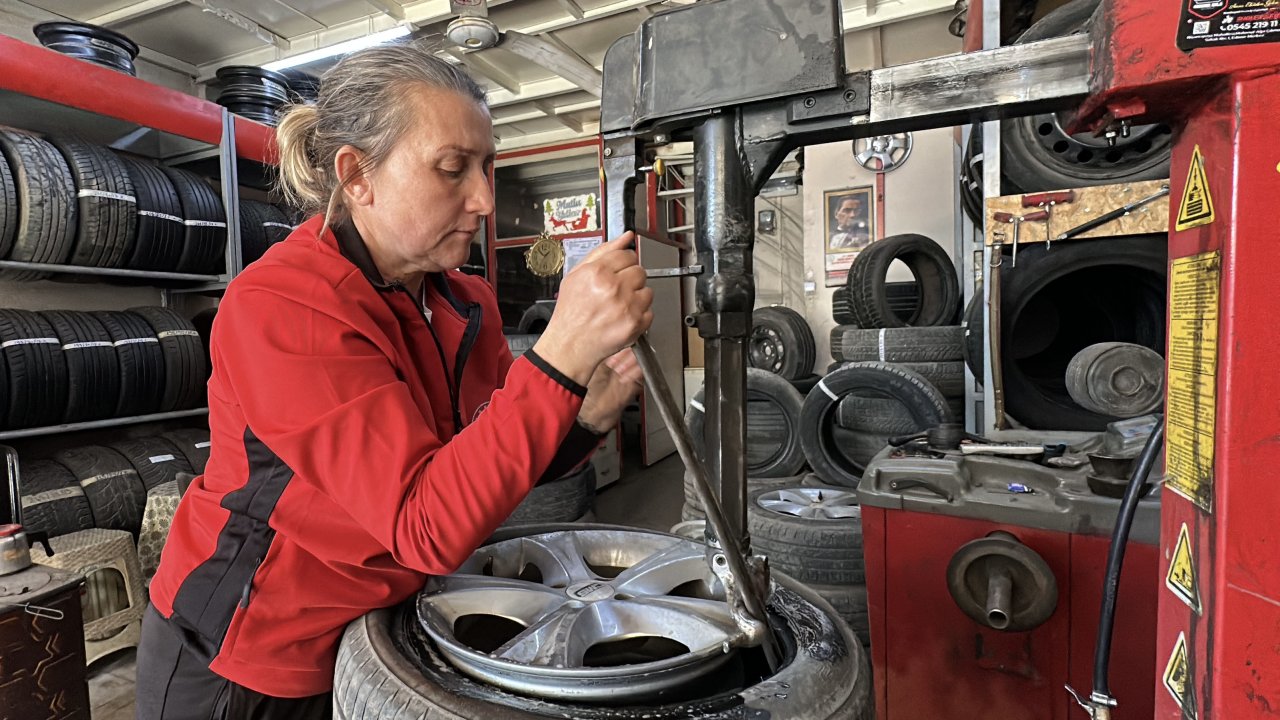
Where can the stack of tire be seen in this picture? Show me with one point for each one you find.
(68, 202)
(898, 359)
(105, 486)
(253, 92)
(68, 367)
(261, 226)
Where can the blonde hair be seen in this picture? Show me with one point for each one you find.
(362, 103)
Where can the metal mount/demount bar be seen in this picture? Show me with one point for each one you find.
(108, 272)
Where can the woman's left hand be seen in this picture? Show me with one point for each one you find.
(613, 385)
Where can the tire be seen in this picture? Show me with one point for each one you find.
(183, 352)
(204, 239)
(935, 275)
(975, 339)
(781, 343)
(141, 363)
(948, 377)
(386, 668)
(46, 201)
(859, 446)
(840, 310)
(874, 414)
(821, 551)
(52, 500)
(159, 232)
(1038, 155)
(518, 344)
(110, 483)
(689, 512)
(156, 460)
(261, 226)
(805, 384)
(565, 499)
(773, 443)
(93, 370)
(534, 320)
(203, 323)
(107, 206)
(194, 445)
(822, 447)
(971, 193)
(897, 345)
(37, 370)
(1058, 303)
(850, 603)
(8, 208)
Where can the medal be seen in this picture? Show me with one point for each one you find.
(545, 257)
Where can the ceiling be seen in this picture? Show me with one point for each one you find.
(531, 105)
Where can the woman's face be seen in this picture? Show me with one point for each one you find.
(430, 194)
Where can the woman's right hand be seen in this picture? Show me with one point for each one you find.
(604, 305)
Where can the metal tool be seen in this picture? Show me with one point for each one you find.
(742, 587)
(1017, 221)
(1113, 215)
(1047, 201)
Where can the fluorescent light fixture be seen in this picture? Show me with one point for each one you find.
(339, 49)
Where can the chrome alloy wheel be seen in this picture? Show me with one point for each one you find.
(812, 503)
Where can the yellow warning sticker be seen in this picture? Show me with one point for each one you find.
(1197, 203)
(1193, 373)
(1178, 680)
(1182, 579)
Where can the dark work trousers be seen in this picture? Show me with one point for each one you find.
(174, 684)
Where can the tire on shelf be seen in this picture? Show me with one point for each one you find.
(157, 244)
(203, 323)
(565, 499)
(52, 500)
(818, 436)
(205, 234)
(183, 353)
(535, 318)
(93, 369)
(156, 460)
(46, 195)
(773, 443)
(519, 344)
(8, 208)
(815, 545)
(194, 445)
(935, 276)
(261, 226)
(37, 370)
(110, 482)
(107, 205)
(841, 312)
(142, 382)
(781, 342)
(914, 344)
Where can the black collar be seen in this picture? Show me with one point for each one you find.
(353, 248)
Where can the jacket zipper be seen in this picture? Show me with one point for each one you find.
(454, 384)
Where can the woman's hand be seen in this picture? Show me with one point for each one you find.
(615, 383)
(604, 305)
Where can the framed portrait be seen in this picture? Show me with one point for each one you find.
(848, 227)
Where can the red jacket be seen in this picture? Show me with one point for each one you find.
(357, 448)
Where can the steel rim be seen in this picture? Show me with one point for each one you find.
(812, 503)
(584, 615)
(767, 350)
(1085, 153)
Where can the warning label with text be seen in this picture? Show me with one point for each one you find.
(1193, 375)
(1208, 23)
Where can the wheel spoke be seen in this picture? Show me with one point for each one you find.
(558, 557)
(558, 639)
(694, 622)
(785, 507)
(841, 512)
(663, 571)
(454, 596)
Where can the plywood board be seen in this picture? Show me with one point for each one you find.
(1090, 202)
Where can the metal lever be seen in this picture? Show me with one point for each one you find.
(737, 579)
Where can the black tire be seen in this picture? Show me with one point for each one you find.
(822, 551)
(975, 339)
(8, 208)
(781, 343)
(534, 320)
(388, 669)
(52, 500)
(519, 344)
(874, 415)
(159, 233)
(925, 344)
(205, 235)
(46, 201)
(925, 405)
(841, 312)
(184, 363)
(805, 384)
(1038, 155)
(156, 460)
(859, 446)
(203, 323)
(194, 445)
(564, 499)
(107, 206)
(773, 422)
(971, 178)
(1058, 303)
(935, 276)
(850, 603)
(110, 482)
(37, 370)
(261, 226)
(141, 363)
(948, 377)
(93, 370)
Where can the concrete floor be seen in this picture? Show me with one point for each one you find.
(644, 497)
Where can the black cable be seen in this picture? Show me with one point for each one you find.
(1115, 558)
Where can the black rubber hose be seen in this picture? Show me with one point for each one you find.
(1115, 558)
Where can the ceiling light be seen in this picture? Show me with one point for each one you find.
(339, 49)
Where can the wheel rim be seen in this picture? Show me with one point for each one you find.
(587, 615)
(811, 503)
(766, 349)
(1083, 155)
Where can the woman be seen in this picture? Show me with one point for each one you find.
(369, 425)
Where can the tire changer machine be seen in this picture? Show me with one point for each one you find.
(986, 574)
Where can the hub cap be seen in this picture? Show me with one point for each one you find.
(812, 503)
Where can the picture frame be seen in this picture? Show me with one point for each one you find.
(848, 227)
